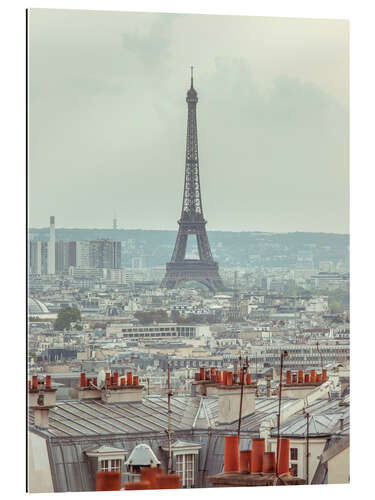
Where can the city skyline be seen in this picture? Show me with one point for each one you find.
(200, 344)
(116, 131)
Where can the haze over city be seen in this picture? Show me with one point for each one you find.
(108, 120)
(203, 353)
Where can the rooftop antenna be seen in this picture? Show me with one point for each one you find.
(169, 393)
(243, 368)
(307, 446)
(284, 354)
(191, 73)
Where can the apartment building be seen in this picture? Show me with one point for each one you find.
(160, 331)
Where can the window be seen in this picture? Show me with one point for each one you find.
(110, 465)
(293, 453)
(104, 465)
(185, 469)
(116, 464)
(294, 468)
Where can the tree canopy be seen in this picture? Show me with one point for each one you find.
(65, 317)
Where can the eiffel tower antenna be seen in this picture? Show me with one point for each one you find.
(192, 223)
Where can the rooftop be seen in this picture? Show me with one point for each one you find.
(96, 418)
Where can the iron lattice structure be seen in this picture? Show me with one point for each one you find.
(204, 270)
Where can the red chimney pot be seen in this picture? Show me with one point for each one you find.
(108, 481)
(257, 451)
(269, 462)
(168, 481)
(245, 458)
(231, 454)
(283, 456)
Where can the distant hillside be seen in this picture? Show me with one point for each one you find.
(229, 248)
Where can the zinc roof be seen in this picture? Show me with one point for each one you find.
(93, 417)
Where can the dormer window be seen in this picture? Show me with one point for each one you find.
(110, 465)
(107, 458)
(185, 461)
(185, 468)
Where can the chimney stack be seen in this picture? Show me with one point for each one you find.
(88, 388)
(115, 393)
(111, 391)
(42, 397)
(229, 397)
(300, 384)
(228, 391)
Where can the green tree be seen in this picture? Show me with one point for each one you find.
(65, 317)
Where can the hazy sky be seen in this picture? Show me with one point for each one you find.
(108, 120)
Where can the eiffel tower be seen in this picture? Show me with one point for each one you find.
(203, 270)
